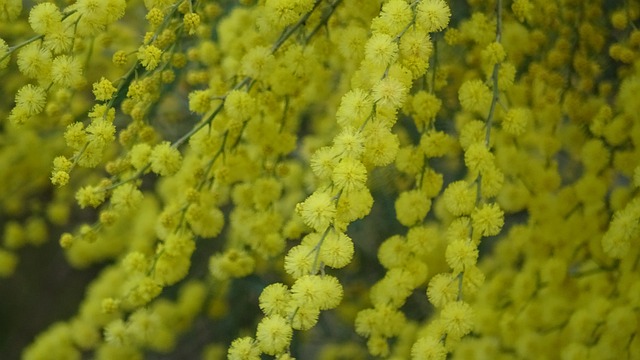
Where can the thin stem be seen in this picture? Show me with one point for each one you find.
(289, 31)
(185, 137)
(136, 176)
(324, 20)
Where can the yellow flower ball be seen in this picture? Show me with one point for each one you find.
(318, 210)
(165, 159)
(273, 334)
(412, 207)
(475, 96)
(274, 299)
(460, 197)
(488, 219)
(244, 348)
(434, 15)
(337, 250)
(458, 318)
(461, 254)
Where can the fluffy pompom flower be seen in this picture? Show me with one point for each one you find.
(390, 91)
(337, 250)
(66, 71)
(239, 105)
(355, 107)
(488, 219)
(44, 17)
(149, 56)
(103, 90)
(515, 121)
(273, 334)
(299, 260)
(457, 318)
(275, 299)
(244, 348)
(381, 49)
(411, 207)
(460, 198)
(475, 96)
(317, 211)
(428, 348)
(442, 289)
(461, 254)
(31, 98)
(165, 159)
(349, 174)
(433, 15)
(349, 142)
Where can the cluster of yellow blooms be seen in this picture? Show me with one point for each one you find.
(328, 179)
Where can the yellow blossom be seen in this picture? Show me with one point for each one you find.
(239, 105)
(515, 121)
(149, 56)
(475, 96)
(487, 219)
(232, 263)
(10, 9)
(126, 197)
(103, 90)
(355, 107)
(317, 211)
(155, 16)
(200, 101)
(522, 9)
(34, 61)
(191, 22)
(119, 58)
(257, 62)
(299, 260)
(458, 318)
(205, 221)
(380, 145)
(337, 250)
(478, 158)
(460, 198)
(428, 348)
(90, 196)
(66, 71)
(349, 142)
(433, 15)
(381, 49)
(390, 92)
(273, 334)
(60, 178)
(442, 289)
(493, 53)
(436, 144)
(31, 98)
(165, 159)
(461, 254)
(244, 348)
(425, 106)
(412, 207)
(349, 174)
(44, 17)
(274, 299)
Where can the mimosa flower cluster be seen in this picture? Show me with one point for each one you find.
(326, 179)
